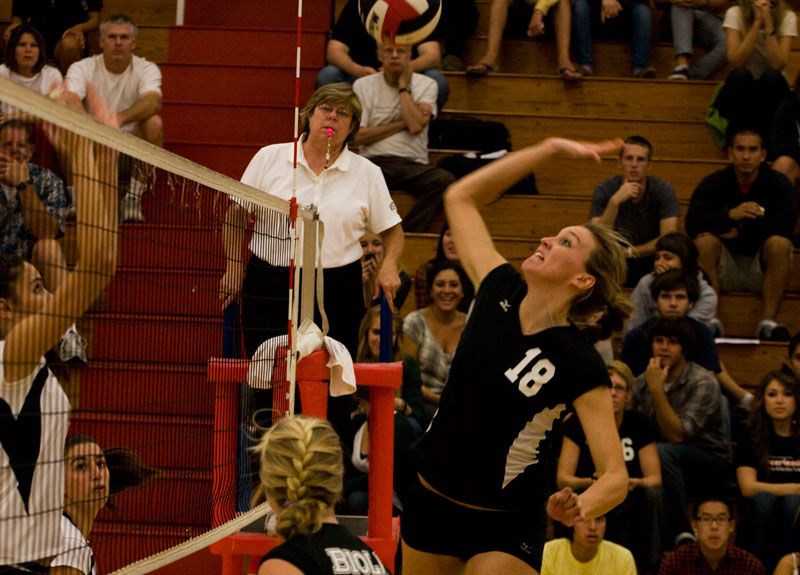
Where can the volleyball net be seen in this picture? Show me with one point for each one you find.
(149, 335)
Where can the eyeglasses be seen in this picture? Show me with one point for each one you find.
(709, 519)
(341, 112)
(400, 51)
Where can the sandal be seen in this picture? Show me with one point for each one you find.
(479, 70)
(570, 74)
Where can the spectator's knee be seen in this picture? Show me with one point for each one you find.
(777, 247)
(739, 77)
(152, 129)
(707, 244)
(787, 166)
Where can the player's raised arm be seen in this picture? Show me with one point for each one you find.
(465, 198)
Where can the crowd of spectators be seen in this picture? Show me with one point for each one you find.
(695, 471)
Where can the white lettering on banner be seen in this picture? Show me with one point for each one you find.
(541, 372)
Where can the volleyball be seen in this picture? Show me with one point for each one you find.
(400, 22)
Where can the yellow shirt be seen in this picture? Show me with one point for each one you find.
(542, 5)
(611, 559)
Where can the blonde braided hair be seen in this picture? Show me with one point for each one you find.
(301, 469)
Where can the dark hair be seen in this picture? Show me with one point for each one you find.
(17, 124)
(744, 129)
(438, 266)
(679, 328)
(672, 280)
(793, 343)
(708, 498)
(10, 268)
(439, 248)
(638, 141)
(761, 427)
(119, 19)
(126, 468)
(680, 245)
(10, 51)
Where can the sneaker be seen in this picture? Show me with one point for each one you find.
(72, 348)
(769, 330)
(716, 328)
(683, 538)
(130, 209)
(680, 73)
(646, 72)
(452, 63)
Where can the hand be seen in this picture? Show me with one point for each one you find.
(404, 81)
(655, 375)
(627, 192)
(99, 108)
(573, 149)
(230, 286)
(366, 71)
(7, 32)
(76, 31)
(536, 27)
(746, 210)
(13, 172)
(425, 108)
(609, 9)
(634, 482)
(368, 268)
(388, 281)
(400, 405)
(564, 506)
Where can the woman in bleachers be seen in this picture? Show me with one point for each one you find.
(768, 470)
(434, 331)
(409, 411)
(675, 251)
(25, 61)
(371, 260)
(445, 250)
(91, 476)
(759, 34)
(301, 473)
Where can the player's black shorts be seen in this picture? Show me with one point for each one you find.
(434, 524)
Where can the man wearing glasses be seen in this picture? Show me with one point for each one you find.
(714, 524)
(398, 104)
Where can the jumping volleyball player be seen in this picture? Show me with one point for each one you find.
(479, 503)
(34, 410)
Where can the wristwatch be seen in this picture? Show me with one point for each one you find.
(401, 90)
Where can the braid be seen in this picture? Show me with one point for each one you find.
(301, 469)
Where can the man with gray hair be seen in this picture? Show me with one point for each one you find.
(132, 86)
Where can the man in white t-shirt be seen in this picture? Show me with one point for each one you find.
(132, 86)
(398, 105)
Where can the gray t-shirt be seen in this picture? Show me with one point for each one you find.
(638, 222)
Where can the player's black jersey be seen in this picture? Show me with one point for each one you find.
(504, 392)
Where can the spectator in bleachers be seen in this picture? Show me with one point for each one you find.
(794, 356)
(741, 219)
(640, 207)
(445, 250)
(25, 61)
(32, 212)
(351, 55)
(636, 522)
(789, 564)
(533, 13)
(398, 105)
(587, 552)
(63, 23)
(685, 401)
(674, 293)
(92, 475)
(371, 261)
(759, 38)
(618, 18)
(433, 332)
(409, 413)
(699, 20)
(784, 146)
(768, 469)
(457, 24)
(132, 86)
(712, 552)
(675, 251)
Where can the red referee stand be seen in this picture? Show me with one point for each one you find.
(313, 378)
